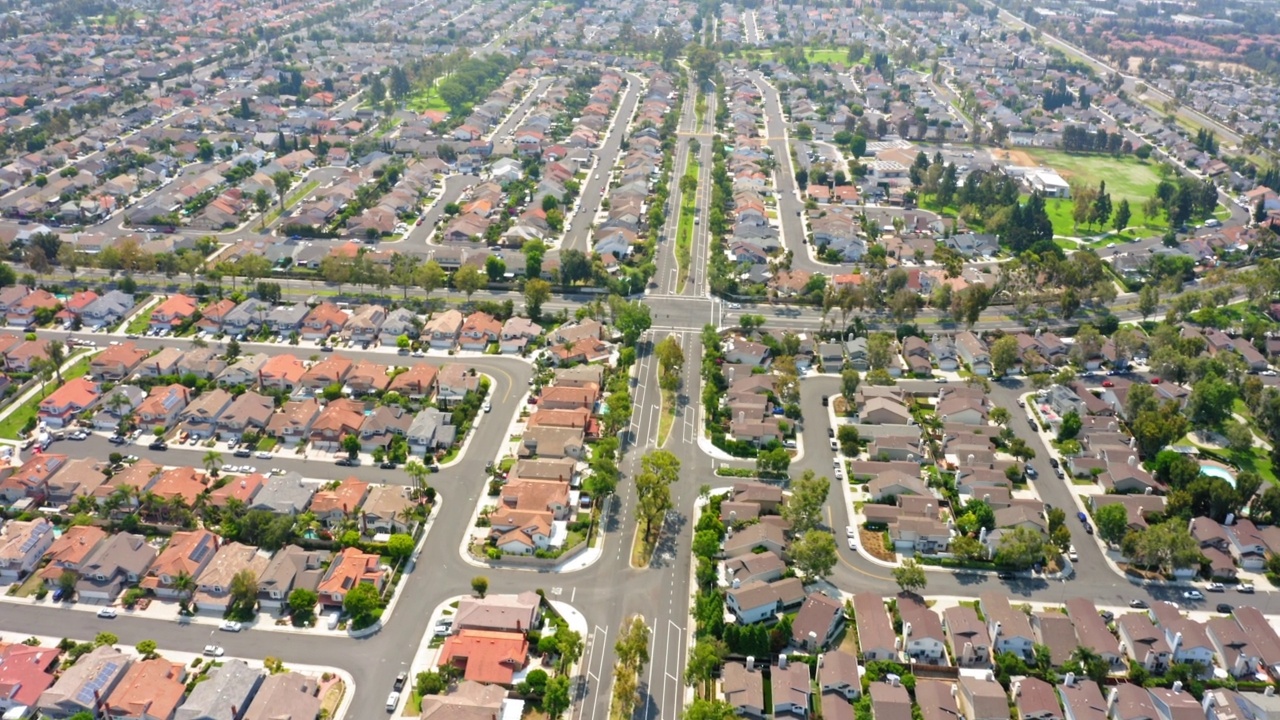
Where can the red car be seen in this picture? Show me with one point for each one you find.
(1155, 381)
(1107, 383)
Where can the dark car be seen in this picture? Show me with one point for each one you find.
(388, 465)
(1005, 575)
(1088, 528)
(1034, 426)
(1107, 615)
(327, 348)
(117, 440)
(243, 452)
(1081, 516)
(346, 462)
(1138, 604)
(401, 679)
(1224, 608)
(159, 445)
(831, 432)
(826, 400)
(1031, 472)
(1053, 463)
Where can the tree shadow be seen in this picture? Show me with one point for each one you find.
(664, 551)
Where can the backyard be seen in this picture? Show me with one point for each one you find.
(17, 420)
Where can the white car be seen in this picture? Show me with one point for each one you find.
(1245, 588)
(839, 474)
(850, 531)
(107, 613)
(1072, 555)
(1192, 595)
(230, 626)
(1215, 587)
(262, 455)
(853, 544)
(213, 651)
(487, 407)
(735, 306)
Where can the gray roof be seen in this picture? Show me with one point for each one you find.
(287, 696)
(288, 315)
(284, 494)
(224, 695)
(248, 312)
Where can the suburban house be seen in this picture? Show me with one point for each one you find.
(348, 569)
(84, 685)
(62, 406)
(22, 544)
(121, 559)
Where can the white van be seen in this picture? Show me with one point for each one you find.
(393, 701)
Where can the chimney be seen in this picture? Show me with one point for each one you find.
(906, 629)
(1207, 703)
(1177, 643)
(894, 680)
(1112, 697)
(751, 662)
(782, 661)
(1071, 680)
(1177, 686)
(1017, 689)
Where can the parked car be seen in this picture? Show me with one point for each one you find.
(401, 679)
(159, 445)
(214, 651)
(1138, 604)
(393, 701)
(1244, 588)
(230, 626)
(1215, 587)
(262, 455)
(1225, 609)
(1192, 595)
(107, 613)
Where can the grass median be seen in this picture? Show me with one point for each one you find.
(688, 211)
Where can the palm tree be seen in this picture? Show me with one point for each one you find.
(212, 461)
(417, 471)
(185, 586)
(57, 352)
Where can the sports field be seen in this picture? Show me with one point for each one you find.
(1126, 176)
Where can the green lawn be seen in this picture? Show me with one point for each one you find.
(12, 425)
(424, 100)
(684, 229)
(1060, 210)
(140, 322)
(266, 444)
(1127, 177)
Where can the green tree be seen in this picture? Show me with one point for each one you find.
(709, 709)
(468, 279)
(430, 276)
(705, 658)
(1113, 522)
(244, 591)
(480, 585)
(632, 646)
(670, 362)
(1148, 300)
(631, 318)
(1123, 215)
(555, 699)
(351, 443)
(536, 293)
(1210, 402)
(814, 554)
(283, 180)
(910, 576)
(849, 439)
(105, 639)
(1070, 426)
(146, 648)
(1167, 546)
(431, 682)
(400, 546)
(1021, 548)
(804, 508)
(302, 604)
(494, 268)
(849, 380)
(361, 602)
(1005, 354)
